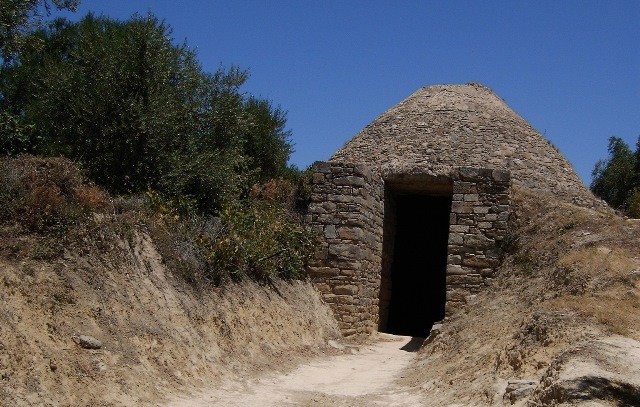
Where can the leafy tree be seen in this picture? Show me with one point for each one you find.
(617, 179)
(19, 17)
(139, 112)
(266, 141)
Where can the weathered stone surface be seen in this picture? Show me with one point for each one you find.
(345, 289)
(471, 142)
(464, 126)
(324, 271)
(478, 241)
(88, 342)
(350, 233)
(350, 218)
(350, 180)
(517, 389)
(330, 231)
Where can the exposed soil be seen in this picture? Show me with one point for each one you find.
(559, 325)
(159, 337)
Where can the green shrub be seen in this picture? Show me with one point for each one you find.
(263, 240)
(634, 204)
(256, 238)
(139, 112)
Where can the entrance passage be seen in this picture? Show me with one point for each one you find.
(417, 281)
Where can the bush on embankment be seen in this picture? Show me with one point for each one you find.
(49, 206)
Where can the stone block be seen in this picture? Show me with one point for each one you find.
(461, 187)
(455, 249)
(318, 178)
(329, 207)
(456, 296)
(458, 229)
(461, 207)
(322, 287)
(488, 272)
(503, 216)
(478, 262)
(345, 198)
(321, 166)
(456, 238)
(345, 290)
(348, 272)
(478, 242)
(464, 279)
(485, 172)
(363, 170)
(456, 269)
(350, 181)
(347, 251)
(350, 233)
(467, 173)
(330, 232)
(323, 271)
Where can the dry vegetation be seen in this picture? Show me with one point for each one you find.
(562, 311)
(73, 263)
(558, 325)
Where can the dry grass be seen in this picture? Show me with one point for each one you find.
(618, 310)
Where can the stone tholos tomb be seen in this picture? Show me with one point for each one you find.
(415, 208)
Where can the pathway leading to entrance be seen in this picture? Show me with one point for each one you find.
(367, 377)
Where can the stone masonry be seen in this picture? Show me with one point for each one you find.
(461, 141)
(478, 223)
(452, 126)
(347, 208)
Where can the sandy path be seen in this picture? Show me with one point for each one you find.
(364, 378)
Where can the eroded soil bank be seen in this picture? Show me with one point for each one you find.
(158, 336)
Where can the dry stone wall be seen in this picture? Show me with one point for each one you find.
(480, 211)
(445, 126)
(347, 209)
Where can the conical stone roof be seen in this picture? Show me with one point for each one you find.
(448, 126)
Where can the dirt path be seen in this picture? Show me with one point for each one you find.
(366, 377)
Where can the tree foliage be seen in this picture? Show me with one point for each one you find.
(617, 179)
(19, 17)
(139, 112)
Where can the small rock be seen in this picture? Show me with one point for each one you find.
(635, 274)
(436, 329)
(87, 342)
(517, 389)
(335, 344)
(53, 365)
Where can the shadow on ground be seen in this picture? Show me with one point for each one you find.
(600, 388)
(413, 345)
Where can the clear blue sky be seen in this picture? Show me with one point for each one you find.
(570, 68)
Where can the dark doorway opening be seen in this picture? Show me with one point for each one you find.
(413, 291)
